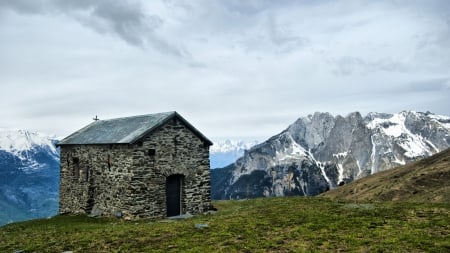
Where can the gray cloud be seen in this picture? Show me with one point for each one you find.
(125, 19)
(24, 6)
(435, 85)
(237, 68)
(284, 39)
(348, 65)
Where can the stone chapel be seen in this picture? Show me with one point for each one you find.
(148, 166)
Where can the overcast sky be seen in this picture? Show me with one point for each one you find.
(233, 69)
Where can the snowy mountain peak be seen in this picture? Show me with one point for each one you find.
(19, 141)
(29, 176)
(228, 146)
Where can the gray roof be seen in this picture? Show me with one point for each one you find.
(124, 130)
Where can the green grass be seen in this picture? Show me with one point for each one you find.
(290, 224)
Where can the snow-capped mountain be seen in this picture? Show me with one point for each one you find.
(29, 175)
(17, 141)
(320, 151)
(225, 152)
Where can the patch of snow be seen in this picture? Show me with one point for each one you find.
(294, 151)
(227, 146)
(340, 172)
(322, 169)
(302, 186)
(359, 168)
(340, 155)
(432, 145)
(372, 155)
(297, 149)
(398, 161)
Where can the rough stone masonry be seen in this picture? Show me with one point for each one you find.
(130, 179)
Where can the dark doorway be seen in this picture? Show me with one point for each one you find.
(173, 194)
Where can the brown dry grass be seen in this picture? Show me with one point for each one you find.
(427, 180)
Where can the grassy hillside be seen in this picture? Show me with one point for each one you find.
(427, 180)
(291, 224)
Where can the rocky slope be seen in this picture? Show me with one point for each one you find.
(318, 152)
(426, 180)
(29, 176)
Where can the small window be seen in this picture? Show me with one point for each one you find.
(88, 171)
(108, 160)
(152, 152)
(76, 167)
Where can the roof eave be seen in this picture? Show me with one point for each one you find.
(106, 143)
(74, 133)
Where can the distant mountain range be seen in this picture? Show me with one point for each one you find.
(29, 176)
(225, 152)
(319, 152)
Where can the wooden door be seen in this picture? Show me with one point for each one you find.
(173, 195)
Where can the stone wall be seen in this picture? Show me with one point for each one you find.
(109, 173)
(131, 178)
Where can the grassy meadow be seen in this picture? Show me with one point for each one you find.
(290, 224)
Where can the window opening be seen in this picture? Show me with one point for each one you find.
(109, 161)
(76, 167)
(87, 174)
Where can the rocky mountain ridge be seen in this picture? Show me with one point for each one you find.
(318, 152)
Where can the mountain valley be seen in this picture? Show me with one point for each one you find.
(313, 155)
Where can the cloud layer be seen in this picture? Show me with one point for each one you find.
(233, 68)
